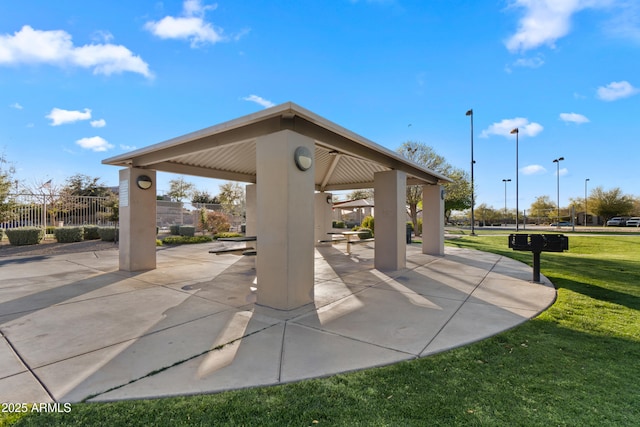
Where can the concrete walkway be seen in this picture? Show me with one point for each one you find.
(74, 327)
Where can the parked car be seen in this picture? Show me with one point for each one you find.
(617, 221)
(561, 224)
(633, 222)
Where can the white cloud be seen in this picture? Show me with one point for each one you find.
(626, 23)
(259, 100)
(59, 116)
(616, 90)
(533, 170)
(573, 118)
(128, 147)
(563, 172)
(94, 143)
(16, 106)
(546, 21)
(189, 26)
(505, 127)
(100, 123)
(29, 46)
(534, 62)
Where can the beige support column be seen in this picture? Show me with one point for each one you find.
(137, 241)
(252, 218)
(285, 208)
(390, 217)
(433, 220)
(323, 217)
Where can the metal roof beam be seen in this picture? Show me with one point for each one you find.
(203, 171)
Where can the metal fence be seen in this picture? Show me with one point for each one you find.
(58, 210)
(38, 210)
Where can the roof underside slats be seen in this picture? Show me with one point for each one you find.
(343, 160)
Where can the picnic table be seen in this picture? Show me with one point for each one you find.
(248, 250)
(350, 239)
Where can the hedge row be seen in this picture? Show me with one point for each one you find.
(25, 236)
(182, 230)
(34, 235)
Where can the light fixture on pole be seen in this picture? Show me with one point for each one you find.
(505, 197)
(473, 220)
(585, 201)
(517, 132)
(557, 162)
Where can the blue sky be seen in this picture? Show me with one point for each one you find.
(83, 81)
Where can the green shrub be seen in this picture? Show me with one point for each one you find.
(368, 222)
(25, 236)
(1, 234)
(178, 240)
(108, 234)
(187, 230)
(367, 235)
(338, 224)
(91, 232)
(174, 229)
(69, 234)
(226, 235)
(158, 242)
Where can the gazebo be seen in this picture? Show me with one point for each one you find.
(291, 159)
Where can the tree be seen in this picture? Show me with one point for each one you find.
(180, 189)
(366, 193)
(232, 198)
(425, 156)
(487, 214)
(608, 204)
(84, 185)
(7, 204)
(542, 207)
(203, 196)
(457, 193)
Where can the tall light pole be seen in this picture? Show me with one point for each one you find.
(585, 201)
(517, 132)
(557, 162)
(505, 197)
(473, 219)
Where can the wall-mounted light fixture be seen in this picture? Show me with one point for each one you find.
(303, 158)
(329, 200)
(144, 182)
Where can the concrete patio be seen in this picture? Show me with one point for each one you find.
(75, 327)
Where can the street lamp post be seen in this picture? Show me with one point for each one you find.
(557, 162)
(517, 132)
(473, 220)
(585, 201)
(505, 197)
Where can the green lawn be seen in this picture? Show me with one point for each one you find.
(576, 364)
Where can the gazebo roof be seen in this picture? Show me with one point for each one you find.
(343, 159)
(349, 204)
